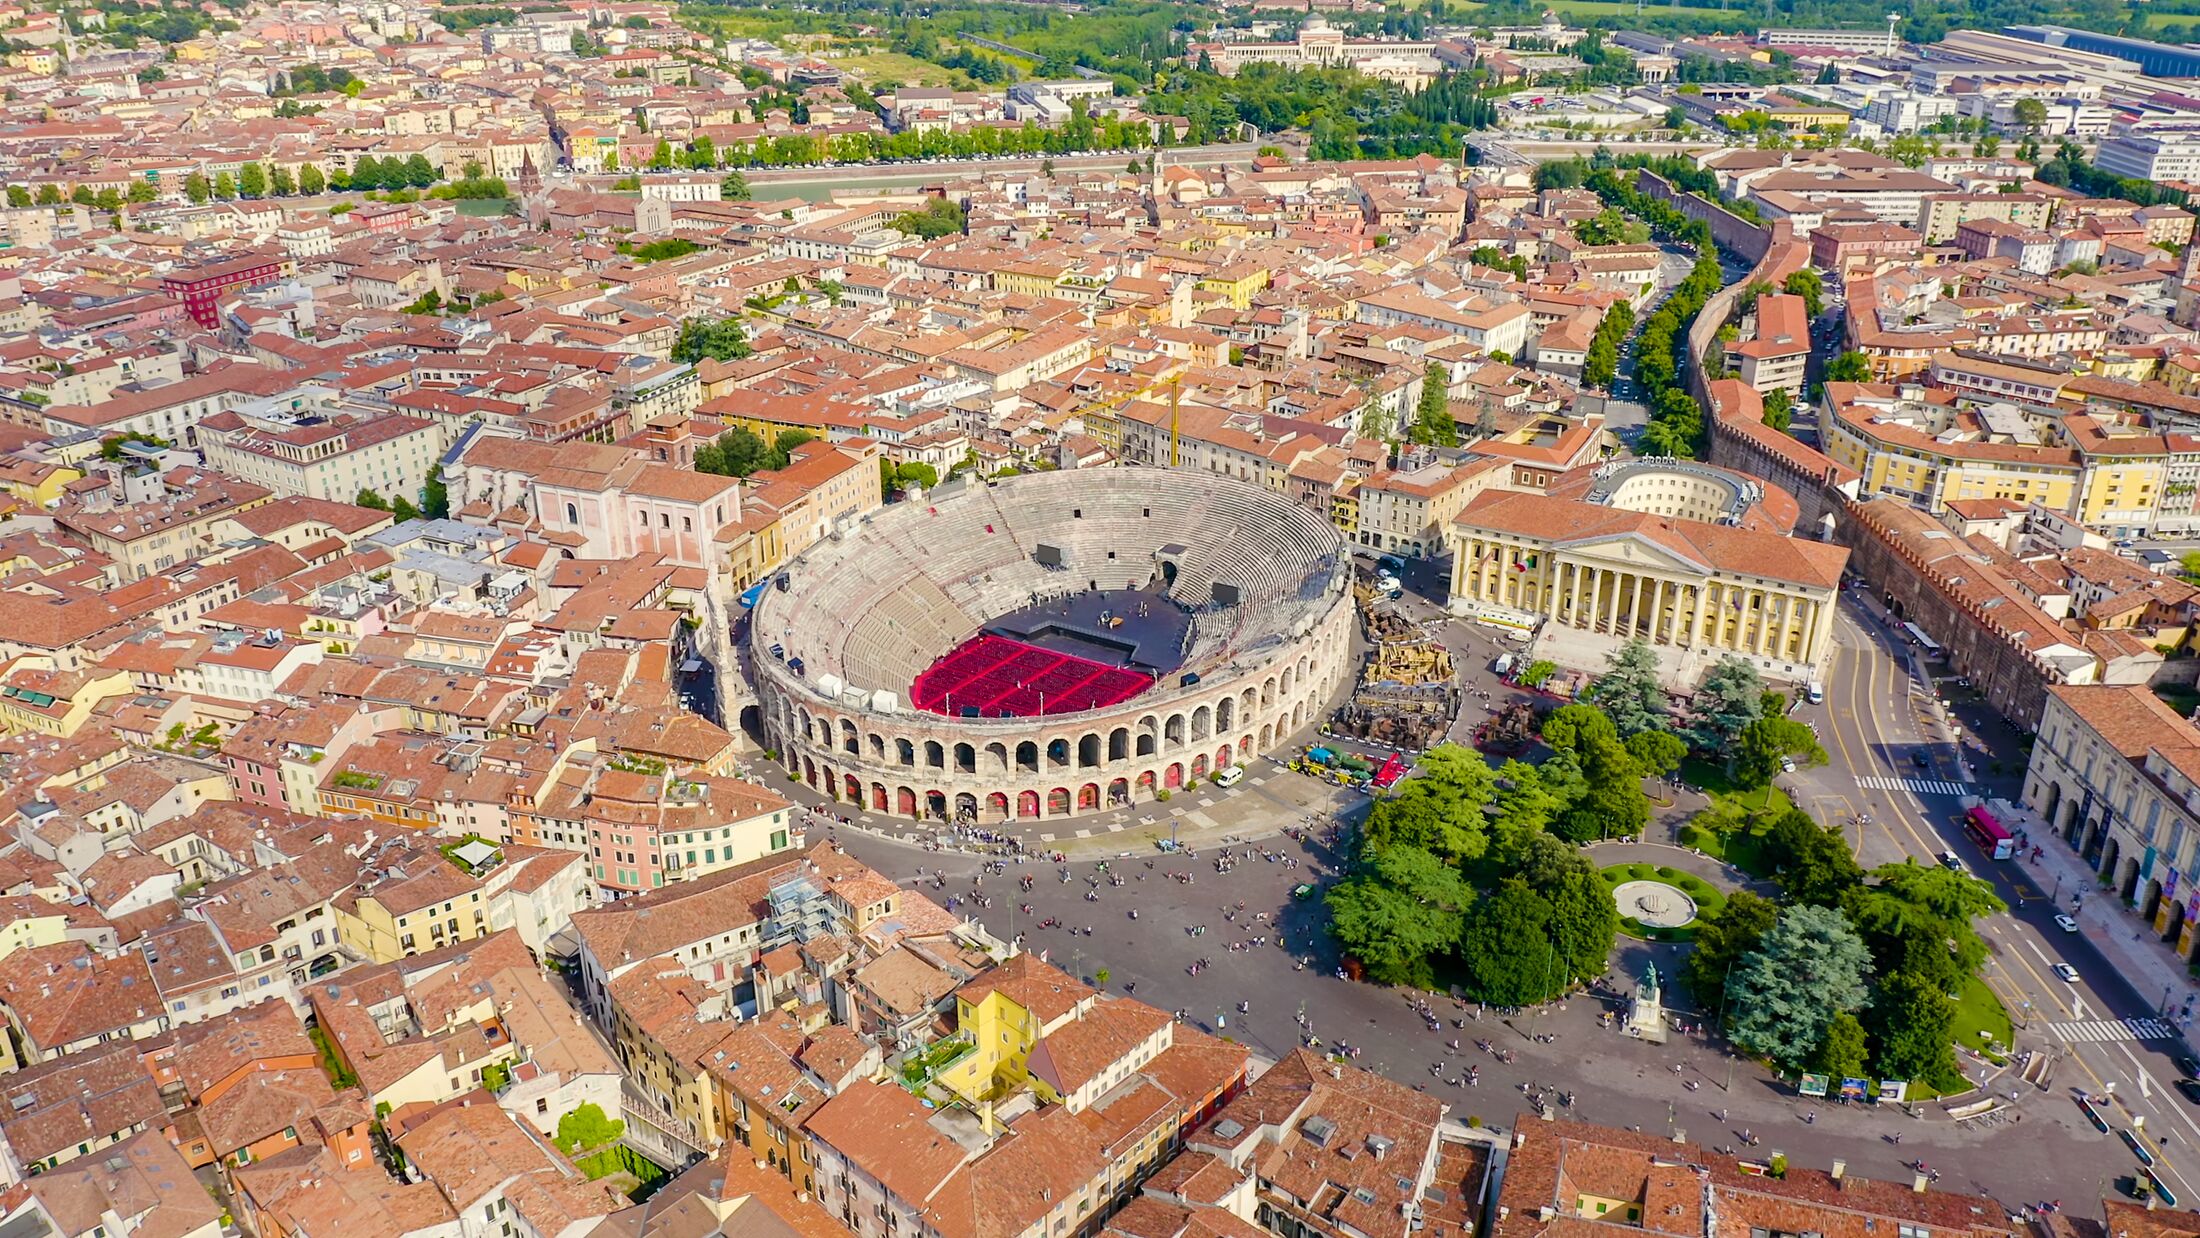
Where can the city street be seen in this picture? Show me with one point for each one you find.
(2104, 1033)
(1880, 720)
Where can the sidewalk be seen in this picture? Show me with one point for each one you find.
(1984, 741)
(2127, 942)
(1270, 798)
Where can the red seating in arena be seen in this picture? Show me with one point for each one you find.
(1000, 677)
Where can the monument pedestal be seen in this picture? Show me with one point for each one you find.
(1646, 1012)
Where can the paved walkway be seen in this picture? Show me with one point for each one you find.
(1718, 872)
(1270, 798)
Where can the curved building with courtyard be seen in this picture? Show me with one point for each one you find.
(1051, 645)
(1699, 561)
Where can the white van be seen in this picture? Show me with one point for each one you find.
(1229, 777)
(1817, 693)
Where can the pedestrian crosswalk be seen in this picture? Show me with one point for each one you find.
(1917, 786)
(2113, 1029)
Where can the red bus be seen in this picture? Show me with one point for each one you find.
(1988, 834)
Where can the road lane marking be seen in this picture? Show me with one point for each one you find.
(1915, 786)
(2108, 1030)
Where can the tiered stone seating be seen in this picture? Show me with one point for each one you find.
(881, 604)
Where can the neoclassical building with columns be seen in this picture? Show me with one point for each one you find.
(1699, 561)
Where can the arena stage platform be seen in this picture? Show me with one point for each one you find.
(1067, 654)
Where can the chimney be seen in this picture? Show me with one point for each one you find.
(1839, 1167)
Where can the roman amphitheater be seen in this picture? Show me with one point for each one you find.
(1051, 645)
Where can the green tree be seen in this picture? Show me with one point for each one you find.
(1656, 753)
(1842, 1056)
(1910, 1021)
(82, 195)
(310, 180)
(1729, 698)
(661, 159)
(1432, 422)
(1584, 919)
(108, 199)
(1440, 811)
(367, 173)
(1783, 996)
(225, 186)
(1813, 864)
(435, 497)
(1849, 367)
(1506, 950)
(1723, 937)
(1522, 808)
(402, 509)
(1779, 409)
(1570, 727)
(736, 453)
(1629, 692)
(49, 194)
(734, 187)
(2031, 113)
(1763, 744)
(418, 172)
(1611, 803)
(142, 192)
(252, 181)
(939, 218)
(720, 339)
(18, 197)
(1919, 919)
(1810, 286)
(281, 182)
(1400, 913)
(368, 498)
(587, 1128)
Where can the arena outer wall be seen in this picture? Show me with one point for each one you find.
(914, 764)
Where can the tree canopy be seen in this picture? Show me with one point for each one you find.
(1400, 913)
(1730, 697)
(1629, 692)
(720, 339)
(1781, 998)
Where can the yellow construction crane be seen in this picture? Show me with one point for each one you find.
(1175, 384)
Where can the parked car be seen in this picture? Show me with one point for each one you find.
(2066, 924)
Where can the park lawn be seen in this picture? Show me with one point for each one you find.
(1743, 849)
(1979, 1011)
(896, 67)
(1712, 780)
(726, 23)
